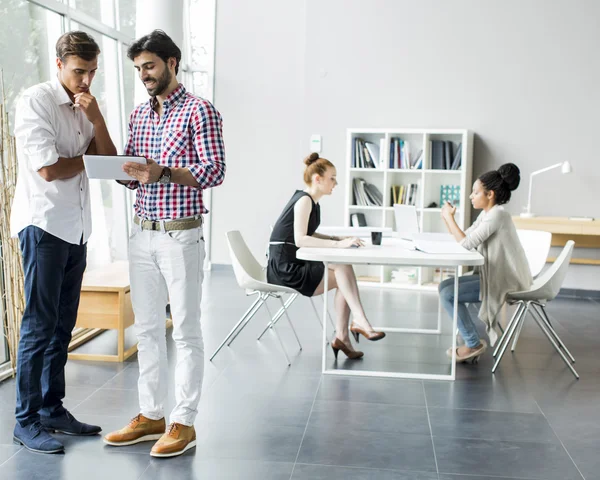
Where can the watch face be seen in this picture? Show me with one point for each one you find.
(165, 176)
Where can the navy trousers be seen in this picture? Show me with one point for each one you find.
(53, 272)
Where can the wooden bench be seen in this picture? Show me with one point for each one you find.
(105, 305)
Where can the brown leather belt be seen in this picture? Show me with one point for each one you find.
(169, 225)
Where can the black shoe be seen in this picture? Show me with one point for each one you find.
(35, 438)
(67, 423)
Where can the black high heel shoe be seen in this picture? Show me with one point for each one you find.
(338, 345)
(373, 336)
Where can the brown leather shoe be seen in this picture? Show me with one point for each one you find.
(177, 440)
(372, 335)
(140, 429)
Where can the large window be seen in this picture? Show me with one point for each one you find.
(28, 34)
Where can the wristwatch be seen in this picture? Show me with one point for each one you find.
(165, 176)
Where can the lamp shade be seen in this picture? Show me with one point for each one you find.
(566, 167)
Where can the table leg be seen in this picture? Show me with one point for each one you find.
(454, 323)
(325, 298)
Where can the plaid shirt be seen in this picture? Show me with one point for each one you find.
(188, 134)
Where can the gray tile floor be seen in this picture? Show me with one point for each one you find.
(259, 419)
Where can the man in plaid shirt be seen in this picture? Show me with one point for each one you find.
(180, 136)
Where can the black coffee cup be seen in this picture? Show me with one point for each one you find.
(376, 238)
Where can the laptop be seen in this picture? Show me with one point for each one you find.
(407, 226)
(407, 223)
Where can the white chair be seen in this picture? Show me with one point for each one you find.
(537, 246)
(291, 300)
(545, 288)
(251, 276)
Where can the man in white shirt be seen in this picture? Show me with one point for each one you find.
(56, 122)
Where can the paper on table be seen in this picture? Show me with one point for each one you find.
(428, 246)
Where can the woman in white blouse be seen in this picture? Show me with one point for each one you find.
(505, 267)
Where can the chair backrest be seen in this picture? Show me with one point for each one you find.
(537, 246)
(547, 285)
(246, 268)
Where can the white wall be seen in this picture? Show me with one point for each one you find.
(523, 75)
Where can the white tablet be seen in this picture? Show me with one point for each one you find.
(109, 167)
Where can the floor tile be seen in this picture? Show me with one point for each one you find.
(7, 451)
(188, 466)
(482, 394)
(372, 390)
(27, 465)
(544, 461)
(367, 449)
(327, 472)
(490, 425)
(369, 417)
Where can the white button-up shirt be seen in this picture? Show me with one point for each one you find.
(47, 127)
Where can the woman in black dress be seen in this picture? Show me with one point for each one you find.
(296, 228)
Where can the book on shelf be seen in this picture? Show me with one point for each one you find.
(366, 194)
(373, 151)
(400, 156)
(418, 163)
(404, 194)
(365, 154)
(358, 220)
(456, 162)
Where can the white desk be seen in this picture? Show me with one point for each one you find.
(391, 252)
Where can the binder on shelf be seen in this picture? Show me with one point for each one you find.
(447, 155)
(358, 220)
(437, 155)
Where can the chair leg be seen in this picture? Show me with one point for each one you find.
(287, 358)
(518, 334)
(515, 316)
(506, 338)
(278, 315)
(290, 322)
(264, 299)
(542, 324)
(542, 311)
(249, 313)
(312, 302)
(274, 330)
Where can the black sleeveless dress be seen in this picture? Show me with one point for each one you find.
(283, 267)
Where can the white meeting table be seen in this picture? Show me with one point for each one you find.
(392, 251)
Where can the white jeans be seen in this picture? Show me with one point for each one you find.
(166, 267)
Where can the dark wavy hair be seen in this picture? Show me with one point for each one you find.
(159, 43)
(502, 181)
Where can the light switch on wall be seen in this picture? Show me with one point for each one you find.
(315, 143)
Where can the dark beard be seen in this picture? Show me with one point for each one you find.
(161, 84)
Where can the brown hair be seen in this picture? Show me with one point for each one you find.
(78, 44)
(315, 164)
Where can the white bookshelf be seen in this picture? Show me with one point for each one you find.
(429, 182)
